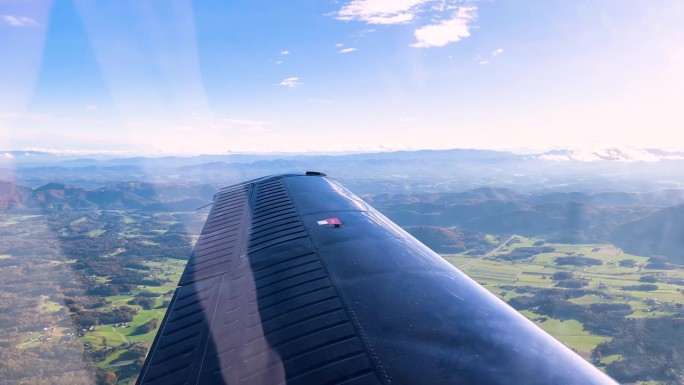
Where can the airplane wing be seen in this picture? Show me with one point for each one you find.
(295, 280)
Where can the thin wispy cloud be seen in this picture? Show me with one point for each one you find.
(339, 45)
(17, 21)
(290, 82)
(278, 62)
(285, 52)
(55, 151)
(447, 31)
(492, 54)
(322, 101)
(250, 126)
(365, 32)
(380, 11)
(347, 50)
(49, 118)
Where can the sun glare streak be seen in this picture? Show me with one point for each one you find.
(22, 53)
(151, 67)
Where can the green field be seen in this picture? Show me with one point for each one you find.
(537, 271)
(113, 346)
(609, 278)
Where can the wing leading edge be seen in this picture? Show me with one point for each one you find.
(295, 280)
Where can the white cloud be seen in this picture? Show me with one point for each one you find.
(252, 127)
(347, 50)
(497, 51)
(623, 154)
(447, 31)
(380, 11)
(18, 21)
(484, 62)
(323, 101)
(364, 32)
(6, 155)
(291, 82)
(339, 45)
(285, 52)
(446, 26)
(249, 126)
(59, 152)
(279, 62)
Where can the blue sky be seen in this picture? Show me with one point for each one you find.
(182, 77)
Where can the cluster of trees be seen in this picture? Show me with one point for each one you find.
(55, 363)
(76, 259)
(525, 252)
(659, 262)
(146, 303)
(85, 319)
(567, 279)
(643, 287)
(147, 327)
(650, 348)
(644, 352)
(597, 318)
(578, 261)
(628, 263)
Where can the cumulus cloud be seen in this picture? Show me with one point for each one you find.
(449, 20)
(18, 21)
(446, 31)
(290, 82)
(347, 50)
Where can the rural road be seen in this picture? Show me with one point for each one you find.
(493, 251)
(120, 335)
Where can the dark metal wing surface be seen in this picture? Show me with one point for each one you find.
(295, 280)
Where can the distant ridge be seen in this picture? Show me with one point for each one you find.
(661, 233)
(56, 197)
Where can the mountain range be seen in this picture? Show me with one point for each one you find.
(642, 223)
(603, 170)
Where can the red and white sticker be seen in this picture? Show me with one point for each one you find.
(330, 222)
